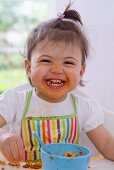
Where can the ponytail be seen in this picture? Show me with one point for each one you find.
(72, 14)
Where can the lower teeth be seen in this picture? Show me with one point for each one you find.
(55, 84)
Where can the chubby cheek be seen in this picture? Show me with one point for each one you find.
(74, 81)
(36, 77)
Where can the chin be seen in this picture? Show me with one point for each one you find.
(58, 99)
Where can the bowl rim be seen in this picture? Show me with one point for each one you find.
(63, 157)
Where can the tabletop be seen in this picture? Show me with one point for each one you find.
(97, 163)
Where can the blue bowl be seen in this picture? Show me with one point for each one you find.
(57, 160)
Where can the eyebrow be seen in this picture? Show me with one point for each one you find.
(45, 56)
(71, 58)
(52, 57)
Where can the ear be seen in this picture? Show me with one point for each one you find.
(82, 71)
(28, 67)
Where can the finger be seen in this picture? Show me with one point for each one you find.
(4, 153)
(20, 149)
(7, 152)
(14, 151)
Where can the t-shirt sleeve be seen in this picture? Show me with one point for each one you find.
(7, 109)
(10, 105)
(94, 116)
(90, 114)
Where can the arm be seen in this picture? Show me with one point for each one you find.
(2, 123)
(10, 143)
(103, 141)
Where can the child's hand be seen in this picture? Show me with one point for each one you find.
(11, 146)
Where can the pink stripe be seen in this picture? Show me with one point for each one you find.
(21, 134)
(25, 155)
(49, 132)
(75, 126)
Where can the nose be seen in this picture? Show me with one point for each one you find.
(57, 69)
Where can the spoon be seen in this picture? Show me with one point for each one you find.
(41, 143)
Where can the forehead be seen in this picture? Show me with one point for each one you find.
(58, 48)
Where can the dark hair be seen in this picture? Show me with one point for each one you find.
(67, 29)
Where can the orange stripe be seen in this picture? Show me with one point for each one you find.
(71, 130)
(43, 131)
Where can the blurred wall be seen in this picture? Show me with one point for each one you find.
(98, 17)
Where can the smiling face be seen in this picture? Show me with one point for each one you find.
(55, 69)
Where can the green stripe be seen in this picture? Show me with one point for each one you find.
(63, 131)
(74, 102)
(77, 141)
(39, 160)
(35, 130)
(51, 118)
(28, 98)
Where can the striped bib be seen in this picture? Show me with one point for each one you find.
(57, 129)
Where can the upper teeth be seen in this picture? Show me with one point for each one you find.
(55, 81)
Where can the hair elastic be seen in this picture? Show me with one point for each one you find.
(60, 16)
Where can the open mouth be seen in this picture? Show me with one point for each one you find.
(56, 83)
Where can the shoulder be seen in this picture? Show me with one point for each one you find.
(86, 103)
(12, 104)
(12, 95)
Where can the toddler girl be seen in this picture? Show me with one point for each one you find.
(56, 53)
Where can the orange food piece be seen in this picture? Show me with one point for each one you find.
(37, 165)
(28, 165)
(74, 155)
(2, 168)
(2, 163)
(14, 163)
(31, 165)
(68, 154)
(71, 154)
(81, 152)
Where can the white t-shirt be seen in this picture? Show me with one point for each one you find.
(12, 104)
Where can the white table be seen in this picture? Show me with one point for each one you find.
(103, 164)
(97, 163)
